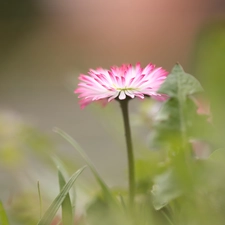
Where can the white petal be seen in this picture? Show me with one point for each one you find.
(122, 95)
(129, 93)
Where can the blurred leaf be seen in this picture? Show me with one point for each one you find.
(218, 155)
(67, 210)
(98, 208)
(179, 84)
(99, 212)
(37, 140)
(50, 213)
(10, 154)
(146, 168)
(175, 118)
(104, 187)
(3, 216)
(165, 189)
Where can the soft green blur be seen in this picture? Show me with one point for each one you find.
(209, 66)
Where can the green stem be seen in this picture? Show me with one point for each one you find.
(130, 154)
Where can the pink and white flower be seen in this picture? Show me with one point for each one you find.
(121, 83)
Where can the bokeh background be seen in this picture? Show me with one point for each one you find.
(46, 44)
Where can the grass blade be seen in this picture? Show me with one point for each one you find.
(67, 211)
(61, 166)
(104, 187)
(3, 217)
(50, 213)
(40, 198)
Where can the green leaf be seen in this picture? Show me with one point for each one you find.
(104, 187)
(173, 124)
(166, 188)
(218, 156)
(40, 198)
(179, 84)
(50, 213)
(67, 210)
(174, 121)
(62, 173)
(3, 216)
(60, 165)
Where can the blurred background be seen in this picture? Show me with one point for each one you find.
(46, 44)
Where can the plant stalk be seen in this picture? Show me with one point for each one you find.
(130, 154)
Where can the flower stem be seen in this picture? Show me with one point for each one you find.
(130, 154)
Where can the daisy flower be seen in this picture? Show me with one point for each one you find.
(120, 83)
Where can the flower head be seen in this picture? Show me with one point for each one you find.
(121, 83)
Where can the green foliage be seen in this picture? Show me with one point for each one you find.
(166, 188)
(3, 216)
(67, 209)
(218, 156)
(175, 120)
(40, 198)
(50, 213)
(107, 193)
(180, 85)
(100, 212)
(176, 124)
